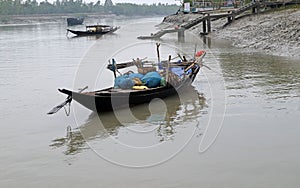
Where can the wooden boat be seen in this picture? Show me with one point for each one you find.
(116, 98)
(74, 21)
(75, 139)
(95, 30)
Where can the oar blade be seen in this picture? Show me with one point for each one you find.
(57, 108)
(67, 101)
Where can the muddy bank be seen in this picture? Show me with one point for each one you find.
(276, 33)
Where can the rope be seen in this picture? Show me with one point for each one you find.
(68, 109)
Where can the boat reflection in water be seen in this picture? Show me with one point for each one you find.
(161, 117)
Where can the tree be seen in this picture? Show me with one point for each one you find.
(10, 7)
(108, 3)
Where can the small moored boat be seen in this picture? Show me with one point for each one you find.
(74, 21)
(162, 80)
(95, 30)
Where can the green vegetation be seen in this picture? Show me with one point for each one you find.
(287, 7)
(188, 1)
(22, 7)
(4, 18)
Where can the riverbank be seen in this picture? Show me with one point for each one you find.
(276, 32)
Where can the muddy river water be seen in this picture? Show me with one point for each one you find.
(237, 126)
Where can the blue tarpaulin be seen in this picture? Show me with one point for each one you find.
(151, 79)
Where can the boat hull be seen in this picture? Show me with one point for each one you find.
(88, 33)
(108, 100)
(74, 21)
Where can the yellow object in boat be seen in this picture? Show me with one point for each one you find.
(140, 87)
(137, 82)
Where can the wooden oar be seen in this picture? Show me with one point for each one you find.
(60, 106)
(67, 101)
(186, 69)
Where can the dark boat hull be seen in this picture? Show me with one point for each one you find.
(88, 33)
(109, 100)
(74, 21)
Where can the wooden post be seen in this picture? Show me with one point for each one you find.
(253, 10)
(208, 24)
(157, 51)
(167, 71)
(180, 33)
(229, 18)
(204, 26)
(207, 41)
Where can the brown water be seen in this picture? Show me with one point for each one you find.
(252, 100)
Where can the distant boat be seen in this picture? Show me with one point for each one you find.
(74, 21)
(95, 30)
